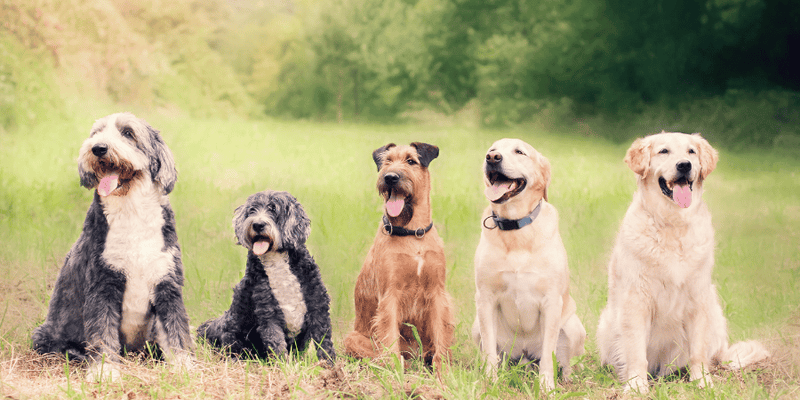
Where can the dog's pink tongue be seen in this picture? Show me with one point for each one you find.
(682, 195)
(107, 185)
(394, 206)
(260, 247)
(497, 190)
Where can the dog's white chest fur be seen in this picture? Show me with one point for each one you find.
(519, 283)
(286, 289)
(135, 246)
(520, 302)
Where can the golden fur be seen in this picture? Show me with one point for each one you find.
(522, 299)
(663, 313)
(402, 280)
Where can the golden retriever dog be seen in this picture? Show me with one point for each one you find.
(663, 313)
(522, 301)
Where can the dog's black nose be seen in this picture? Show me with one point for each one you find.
(493, 157)
(684, 167)
(391, 178)
(259, 226)
(100, 149)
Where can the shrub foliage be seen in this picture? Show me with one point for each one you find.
(617, 60)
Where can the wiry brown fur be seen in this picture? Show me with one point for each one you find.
(402, 280)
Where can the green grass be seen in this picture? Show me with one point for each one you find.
(754, 198)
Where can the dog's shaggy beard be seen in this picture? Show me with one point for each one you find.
(398, 203)
(113, 175)
(262, 242)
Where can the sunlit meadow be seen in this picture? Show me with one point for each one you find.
(754, 198)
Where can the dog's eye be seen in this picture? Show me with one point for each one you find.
(127, 132)
(520, 152)
(691, 151)
(663, 151)
(271, 207)
(251, 211)
(411, 162)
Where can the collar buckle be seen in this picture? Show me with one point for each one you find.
(513, 224)
(391, 230)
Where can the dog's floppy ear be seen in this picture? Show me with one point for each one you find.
(238, 224)
(708, 156)
(544, 170)
(638, 156)
(162, 164)
(297, 225)
(377, 155)
(426, 152)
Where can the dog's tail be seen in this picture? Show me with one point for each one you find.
(743, 354)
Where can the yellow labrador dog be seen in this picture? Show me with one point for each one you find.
(524, 309)
(663, 313)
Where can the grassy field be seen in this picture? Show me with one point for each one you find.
(754, 198)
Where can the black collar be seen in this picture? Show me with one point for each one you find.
(392, 230)
(513, 224)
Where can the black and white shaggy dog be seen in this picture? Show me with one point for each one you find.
(121, 284)
(281, 303)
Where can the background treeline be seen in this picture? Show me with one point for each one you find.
(728, 68)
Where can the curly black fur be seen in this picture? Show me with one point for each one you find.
(255, 324)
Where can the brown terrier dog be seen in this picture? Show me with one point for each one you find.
(402, 282)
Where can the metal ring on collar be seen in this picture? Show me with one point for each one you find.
(387, 229)
(488, 218)
(419, 233)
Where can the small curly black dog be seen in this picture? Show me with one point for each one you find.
(281, 304)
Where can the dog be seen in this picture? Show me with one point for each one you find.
(663, 313)
(281, 303)
(522, 301)
(121, 284)
(401, 286)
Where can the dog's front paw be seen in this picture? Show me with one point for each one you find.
(441, 364)
(703, 379)
(637, 384)
(391, 360)
(547, 381)
(566, 373)
(181, 362)
(103, 371)
(278, 349)
(490, 367)
(274, 340)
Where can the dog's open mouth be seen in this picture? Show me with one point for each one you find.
(395, 203)
(501, 188)
(109, 184)
(261, 244)
(680, 190)
(115, 179)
